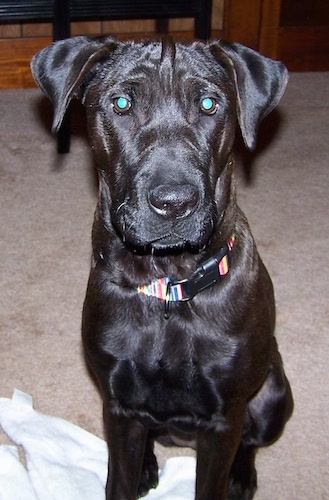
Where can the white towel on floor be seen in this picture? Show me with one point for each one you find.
(65, 462)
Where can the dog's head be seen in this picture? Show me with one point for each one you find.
(162, 119)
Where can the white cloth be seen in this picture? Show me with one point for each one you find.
(65, 462)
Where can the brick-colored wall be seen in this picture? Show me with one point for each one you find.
(19, 41)
(32, 29)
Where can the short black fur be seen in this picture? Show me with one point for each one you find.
(210, 376)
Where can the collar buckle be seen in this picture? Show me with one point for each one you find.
(208, 273)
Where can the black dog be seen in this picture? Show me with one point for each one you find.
(179, 315)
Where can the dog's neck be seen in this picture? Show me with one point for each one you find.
(207, 274)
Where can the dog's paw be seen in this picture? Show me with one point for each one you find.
(242, 487)
(150, 476)
(242, 483)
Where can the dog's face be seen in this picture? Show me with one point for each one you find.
(162, 120)
(162, 125)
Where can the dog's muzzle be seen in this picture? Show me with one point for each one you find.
(166, 217)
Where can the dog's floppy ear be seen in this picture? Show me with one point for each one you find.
(60, 69)
(259, 84)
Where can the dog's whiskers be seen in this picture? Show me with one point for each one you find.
(120, 206)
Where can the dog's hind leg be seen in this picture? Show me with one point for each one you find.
(243, 475)
(270, 408)
(266, 416)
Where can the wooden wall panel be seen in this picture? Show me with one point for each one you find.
(303, 35)
(15, 58)
(304, 48)
(10, 30)
(242, 21)
(269, 28)
(19, 41)
(30, 30)
(137, 26)
(294, 31)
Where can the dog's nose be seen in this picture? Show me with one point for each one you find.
(174, 202)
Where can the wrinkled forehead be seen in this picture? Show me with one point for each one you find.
(162, 62)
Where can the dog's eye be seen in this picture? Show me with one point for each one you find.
(121, 105)
(209, 105)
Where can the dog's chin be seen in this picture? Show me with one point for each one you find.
(164, 246)
(174, 248)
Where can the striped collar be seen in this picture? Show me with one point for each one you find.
(207, 274)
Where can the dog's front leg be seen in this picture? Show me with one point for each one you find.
(215, 455)
(126, 441)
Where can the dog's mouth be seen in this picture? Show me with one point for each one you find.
(145, 230)
(165, 246)
(169, 243)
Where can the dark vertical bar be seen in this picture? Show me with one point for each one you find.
(61, 20)
(61, 30)
(203, 20)
(162, 25)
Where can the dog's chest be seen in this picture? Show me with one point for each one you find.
(174, 386)
(164, 392)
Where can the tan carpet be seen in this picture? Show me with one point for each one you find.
(47, 206)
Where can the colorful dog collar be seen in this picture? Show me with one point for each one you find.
(206, 275)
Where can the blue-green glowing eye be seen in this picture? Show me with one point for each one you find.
(209, 105)
(121, 105)
(122, 102)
